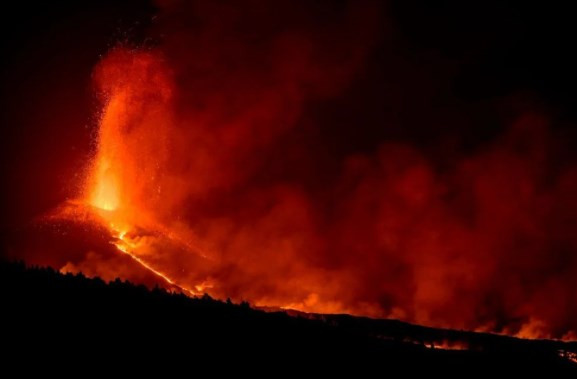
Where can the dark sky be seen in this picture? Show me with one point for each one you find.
(447, 77)
(415, 157)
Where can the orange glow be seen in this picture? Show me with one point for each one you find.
(113, 187)
(104, 189)
(449, 345)
(128, 247)
(569, 355)
(208, 173)
(105, 194)
(142, 177)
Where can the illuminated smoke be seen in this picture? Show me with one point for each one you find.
(197, 176)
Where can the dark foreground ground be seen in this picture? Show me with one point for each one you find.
(69, 318)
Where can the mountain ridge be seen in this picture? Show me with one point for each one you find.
(42, 305)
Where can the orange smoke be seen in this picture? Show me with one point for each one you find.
(208, 174)
(136, 99)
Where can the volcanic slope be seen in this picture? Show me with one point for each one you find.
(49, 314)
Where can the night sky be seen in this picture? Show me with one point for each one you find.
(457, 108)
(451, 73)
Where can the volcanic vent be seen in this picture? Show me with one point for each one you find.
(261, 153)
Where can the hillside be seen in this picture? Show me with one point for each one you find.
(50, 315)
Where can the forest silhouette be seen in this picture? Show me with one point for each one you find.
(63, 316)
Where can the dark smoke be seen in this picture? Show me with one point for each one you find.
(323, 167)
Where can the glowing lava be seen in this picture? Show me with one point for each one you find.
(114, 189)
(129, 247)
(394, 249)
(207, 143)
(103, 189)
(105, 193)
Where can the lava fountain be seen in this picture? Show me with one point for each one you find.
(212, 172)
(111, 191)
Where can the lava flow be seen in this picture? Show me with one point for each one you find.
(216, 169)
(110, 195)
(129, 247)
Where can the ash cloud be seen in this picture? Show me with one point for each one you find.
(272, 136)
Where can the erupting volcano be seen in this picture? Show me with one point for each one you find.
(116, 191)
(265, 154)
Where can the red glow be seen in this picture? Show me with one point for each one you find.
(180, 181)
